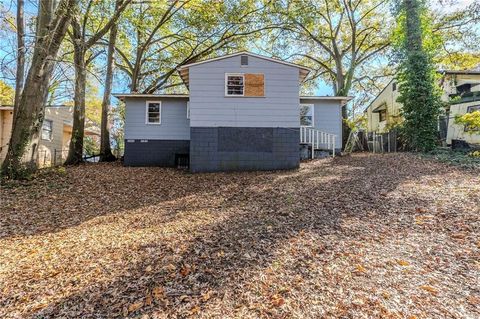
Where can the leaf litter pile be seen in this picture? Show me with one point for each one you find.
(366, 236)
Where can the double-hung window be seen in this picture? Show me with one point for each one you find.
(234, 84)
(47, 129)
(153, 112)
(306, 115)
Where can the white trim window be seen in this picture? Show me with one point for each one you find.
(306, 115)
(153, 112)
(47, 130)
(234, 84)
(188, 110)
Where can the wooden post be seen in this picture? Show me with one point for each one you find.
(388, 141)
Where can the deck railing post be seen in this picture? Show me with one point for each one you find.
(312, 143)
(333, 146)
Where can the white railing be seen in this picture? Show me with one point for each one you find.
(317, 139)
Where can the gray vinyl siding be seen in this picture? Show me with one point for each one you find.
(209, 107)
(327, 117)
(174, 123)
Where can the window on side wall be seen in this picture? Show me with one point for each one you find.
(153, 112)
(47, 129)
(234, 84)
(471, 109)
(306, 115)
(382, 115)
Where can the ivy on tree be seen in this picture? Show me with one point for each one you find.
(418, 92)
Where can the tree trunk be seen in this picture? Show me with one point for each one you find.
(105, 150)
(20, 72)
(414, 34)
(75, 151)
(28, 120)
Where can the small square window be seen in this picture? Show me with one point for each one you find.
(306, 115)
(153, 113)
(47, 130)
(234, 84)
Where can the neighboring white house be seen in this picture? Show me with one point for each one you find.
(460, 88)
(243, 112)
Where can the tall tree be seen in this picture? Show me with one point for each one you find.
(52, 24)
(416, 77)
(105, 149)
(20, 72)
(166, 35)
(83, 39)
(337, 38)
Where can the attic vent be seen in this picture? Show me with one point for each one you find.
(244, 60)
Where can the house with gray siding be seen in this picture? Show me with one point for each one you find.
(243, 112)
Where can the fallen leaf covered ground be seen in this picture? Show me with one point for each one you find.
(366, 236)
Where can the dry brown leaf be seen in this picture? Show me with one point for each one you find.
(360, 269)
(185, 271)
(158, 293)
(277, 301)
(195, 310)
(459, 235)
(135, 306)
(473, 300)
(206, 296)
(430, 289)
(402, 262)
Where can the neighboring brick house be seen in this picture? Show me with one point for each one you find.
(460, 88)
(54, 137)
(243, 112)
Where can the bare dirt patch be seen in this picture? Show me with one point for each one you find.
(387, 236)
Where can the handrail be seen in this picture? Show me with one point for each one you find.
(317, 138)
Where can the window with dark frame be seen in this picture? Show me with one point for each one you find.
(382, 115)
(394, 86)
(235, 85)
(47, 130)
(153, 112)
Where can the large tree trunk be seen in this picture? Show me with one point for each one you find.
(341, 89)
(28, 120)
(20, 72)
(105, 150)
(75, 151)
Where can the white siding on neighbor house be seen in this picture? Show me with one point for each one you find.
(209, 107)
(327, 117)
(457, 131)
(174, 123)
